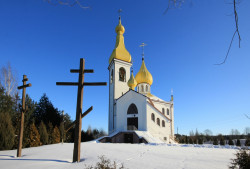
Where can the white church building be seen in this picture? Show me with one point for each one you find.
(135, 114)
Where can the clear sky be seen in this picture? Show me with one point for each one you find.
(45, 41)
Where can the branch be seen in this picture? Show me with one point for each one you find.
(247, 116)
(69, 3)
(236, 31)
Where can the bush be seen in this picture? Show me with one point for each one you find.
(238, 143)
(242, 160)
(215, 142)
(247, 143)
(230, 142)
(105, 164)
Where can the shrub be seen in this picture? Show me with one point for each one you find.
(105, 164)
(230, 142)
(242, 160)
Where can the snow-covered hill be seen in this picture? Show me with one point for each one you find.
(133, 156)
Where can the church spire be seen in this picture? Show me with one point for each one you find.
(120, 52)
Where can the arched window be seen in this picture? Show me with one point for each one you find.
(158, 122)
(153, 116)
(122, 74)
(146, 88)
(167, 111)
(163, 123)
(163, 111)
(111, 76)
(132, 109)
(142, 88)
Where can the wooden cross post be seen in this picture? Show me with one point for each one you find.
(79, 115)
(24, 109)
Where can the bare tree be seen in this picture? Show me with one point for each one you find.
(208, 132)
(8, 80)
(178, 3)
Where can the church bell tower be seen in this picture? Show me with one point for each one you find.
(119, 73)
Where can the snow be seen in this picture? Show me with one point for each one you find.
(133, 156)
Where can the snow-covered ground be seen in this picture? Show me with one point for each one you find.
(133, 156)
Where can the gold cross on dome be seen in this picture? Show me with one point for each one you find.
(142, 45)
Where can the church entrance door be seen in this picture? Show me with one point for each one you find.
(132, 123)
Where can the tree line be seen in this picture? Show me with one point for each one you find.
(207, 138)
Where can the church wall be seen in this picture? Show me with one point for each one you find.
(116, 88)
(160, 105)
(122, 106)
(121, 87)
(156, 130)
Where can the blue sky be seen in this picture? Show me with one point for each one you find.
(45, 41)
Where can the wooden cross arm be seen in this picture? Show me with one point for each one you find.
(26, 79)
(85, 71)
(95, 84)
(67, 83)
(27, 85)
(82, 115)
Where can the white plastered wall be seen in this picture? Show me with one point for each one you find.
(122, 106)
(116, 88)
(156, 130)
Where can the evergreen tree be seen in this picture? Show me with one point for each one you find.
(43, 133)
(62, 131)
(247, 143)
(238, 142)
(7, 132)
(222, 141)
(215, 142)
(46, 112)
(200, 141)
(34, 139)
(50, 133)
(186, 140)
(230, 142)
(56, 135)
(190, 141)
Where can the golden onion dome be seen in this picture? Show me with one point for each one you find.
(120, 52)
(132, 82)
(144, 76)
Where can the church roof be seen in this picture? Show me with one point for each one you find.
(120, 52)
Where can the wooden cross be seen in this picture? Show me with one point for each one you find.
(79, 115)
(24, 109)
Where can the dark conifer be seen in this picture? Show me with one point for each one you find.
(238, 142)
(7, 132)
(43, 133)
(230, 142)
(222, 141)
(215, 142)
(34, 139)
(56, 135)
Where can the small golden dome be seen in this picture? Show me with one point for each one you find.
(120, 52)
(120, 28)
(132, 82)
(144, 76)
